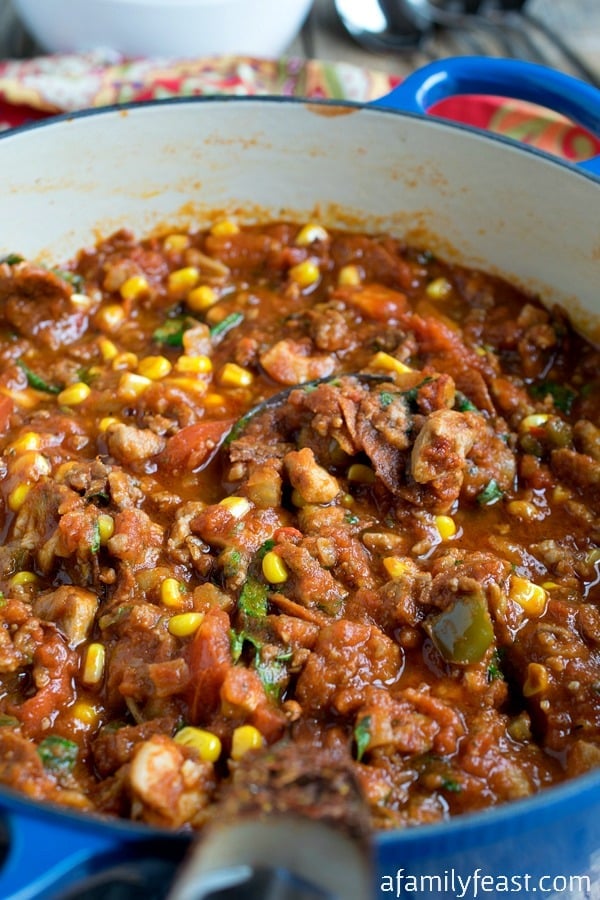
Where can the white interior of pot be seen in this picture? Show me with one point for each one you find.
(471, 198)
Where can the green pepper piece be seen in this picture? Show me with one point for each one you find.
(231, 321)
(463, 632)
(36, 381)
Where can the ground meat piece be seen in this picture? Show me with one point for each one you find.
(169, 787)
(125, 491)
(395, 724)
(21, 767)
(113, 747)
(20, 635)
(136, 538)
(348, 657)
(310, 584)
(292, 362)
(329, 328)
(37, 303)
(311, 480)
(128, 444)
(438, 456)
(71, 608)
(587, 438)
(579, 471)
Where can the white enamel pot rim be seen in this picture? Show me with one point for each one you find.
(480, 199)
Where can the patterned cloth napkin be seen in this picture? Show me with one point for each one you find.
(47, 85)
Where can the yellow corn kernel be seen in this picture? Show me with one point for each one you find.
(171, 594)
(361, 473)
(126, 360)
(201, 298)
(81, 301)
(523, 509)
(305, 273)
(194, 365)
(94, 662)
(105, 423)
(17, 497)
(204, 742)
(446, 527)
(537, 679)
(85, 713)
(232, 375)
(181, 281)
(132, 386)
(20, 579)
(74, 394)
(110, 317)
(549, 585)
(310, 233)
(530, 597)
(237, 506)
(560, 493)
(175, 243)
(349, 276)
(134, 288)
(225, 228)
(28, 441)
(106, 527)
(191, 385)
(535, 420)
(243, 739)
(154, 367)
(438, 289)
(389, 363)
(394, 566)
(185, 624)
(273, 568)
(107, 349)
(212, 401)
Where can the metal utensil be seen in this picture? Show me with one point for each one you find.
(291, 825)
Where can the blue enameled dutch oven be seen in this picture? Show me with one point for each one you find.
(482, 200)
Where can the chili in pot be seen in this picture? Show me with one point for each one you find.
(396, 562)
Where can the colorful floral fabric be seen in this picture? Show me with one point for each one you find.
(43, 86)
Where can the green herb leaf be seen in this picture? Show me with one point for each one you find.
(11, 259)
(231, 321)
(386, 399)
(351, 518)
(171, 332)
(450, 784)
(237, 639)
(362, 736)
(264, 549)
(562, 396)
(230, 560)
(253, 598)
(273, 673)
(35, 381)
(490, 494)
(71, 277)
(58, 754)
(8, 721)
(411, 395)
(95, 543)
(463, 404)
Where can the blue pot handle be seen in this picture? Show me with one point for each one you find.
(518, 79)
(51, 853)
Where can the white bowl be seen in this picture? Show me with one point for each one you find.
(165, 28)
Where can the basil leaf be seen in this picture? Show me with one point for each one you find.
(36, 381)
(231, 321)
(490, 494)
(362, 736)
(171, 332)
(58, 754)
(562, 396)
(253, 598)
